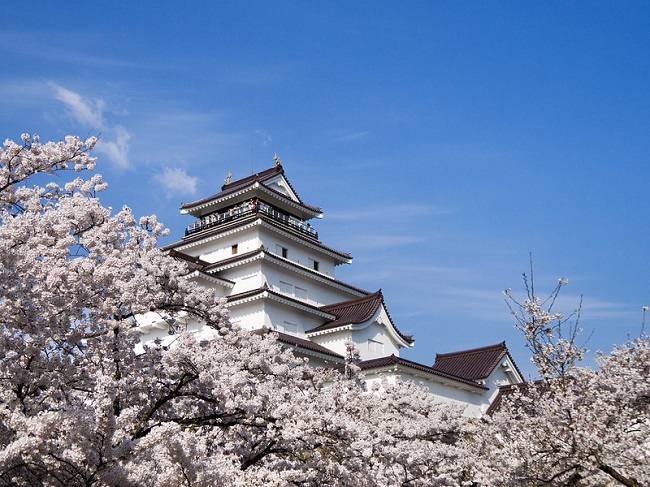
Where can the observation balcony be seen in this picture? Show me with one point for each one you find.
(247, 209)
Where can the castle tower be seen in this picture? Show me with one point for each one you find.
(254, 243)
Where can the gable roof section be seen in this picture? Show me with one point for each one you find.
(244, 183)
(357, 311)
(474, 364)
(393, 360)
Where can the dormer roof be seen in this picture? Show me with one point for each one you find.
(356, 312)
(474, 364)
(393, 361)
(270, 185)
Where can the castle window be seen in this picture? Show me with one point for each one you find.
(233, 249)
(301, 293)
(289, 327)
(286, 288)
(282, 251)
(375, 346)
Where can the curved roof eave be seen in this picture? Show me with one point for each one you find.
(253, 183)
(359, 313)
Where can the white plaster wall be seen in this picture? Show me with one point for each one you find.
(250, 316)
(220, 249)
(333, 341)
(281, 318)
(470, 403)
(248, 281)
(297, 251)
(297, 285)
(377, 333)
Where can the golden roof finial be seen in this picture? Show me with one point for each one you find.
(228, 177)
(277, 160)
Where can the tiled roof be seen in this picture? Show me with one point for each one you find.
(193, 263)
(353, 311)
(474, 364)
(357, 311)
(300, 342)
(259, 177)
(392, 360)
(239, 184)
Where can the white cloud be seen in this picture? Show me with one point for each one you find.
(383, 240)
(348, 136)
(265, 136)
(116, 150)
(381, 212)
(83, 110)
(114, 139)
(177, 182)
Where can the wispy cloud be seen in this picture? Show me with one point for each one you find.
(265, 137)
(343, 136)
(177, 182)
(381, 212)
(116, 150)
(83, 110)
(114, 138)
(37, 46)
(386, 240)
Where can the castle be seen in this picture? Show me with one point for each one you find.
(254, 244)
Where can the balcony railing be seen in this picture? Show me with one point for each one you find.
(247, 209)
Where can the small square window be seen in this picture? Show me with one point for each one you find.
(281, 251)
(233, 249)
(375, 346)
(315, 265)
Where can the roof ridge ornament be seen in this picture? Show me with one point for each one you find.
(228, 176)
(277, 160)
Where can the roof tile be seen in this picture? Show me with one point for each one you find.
(474, 364)
(357, 311)
(394, 360)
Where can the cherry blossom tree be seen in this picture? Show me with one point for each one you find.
(575, 426)
(81, 404)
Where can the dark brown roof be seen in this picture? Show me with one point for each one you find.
(393, 360)
(299, 342)
(474, 364)
(193, 263)
(259, 177)
(357, 311)
(239, 184)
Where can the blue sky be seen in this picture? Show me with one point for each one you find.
(444, 141)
